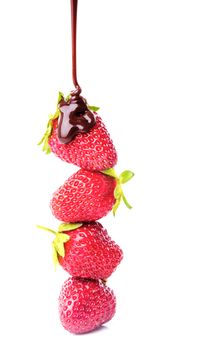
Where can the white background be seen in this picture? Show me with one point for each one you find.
(147, 67)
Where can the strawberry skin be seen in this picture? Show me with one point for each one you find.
(85, 305)
(85, 196)
(92, 151)
(90, 252)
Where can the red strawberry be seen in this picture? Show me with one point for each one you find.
(92, 151)
(88, 196)
(85, 250)
(85, 305)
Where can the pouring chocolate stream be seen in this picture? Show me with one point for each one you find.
(75, 117)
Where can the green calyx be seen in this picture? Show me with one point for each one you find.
(58, 248)
(124, 177)
(93, 108)
(49, 128)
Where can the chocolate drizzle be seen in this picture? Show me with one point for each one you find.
(75, 117)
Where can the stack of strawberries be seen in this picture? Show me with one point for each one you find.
(81, 244)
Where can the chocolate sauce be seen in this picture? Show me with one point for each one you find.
(74, 6)
(75, 117)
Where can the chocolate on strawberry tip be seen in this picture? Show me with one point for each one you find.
(92, 150)
(62, 104)
(75, 118)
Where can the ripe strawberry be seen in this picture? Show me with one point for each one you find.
(92, 151)
(85, 250)
(88, 196)
(85, 305)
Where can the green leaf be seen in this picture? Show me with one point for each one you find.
(68, 227)
(63, 237)
(45, 135)
(126, 202)
(42, 140)
(93, 108)
(110, 172)
(46, 229)
(60, 97)
(116, 205)
(125, 176)
(46, 147)
(59, 246)
(59, 241)
(47, 150)
(54, 256)
(49, 129)
(118, 192)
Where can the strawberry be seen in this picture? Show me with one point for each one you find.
(85, 250)
(85, 305)
(92, 151)
(88, 196)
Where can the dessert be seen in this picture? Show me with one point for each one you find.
(92, 150)
(76, 134)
